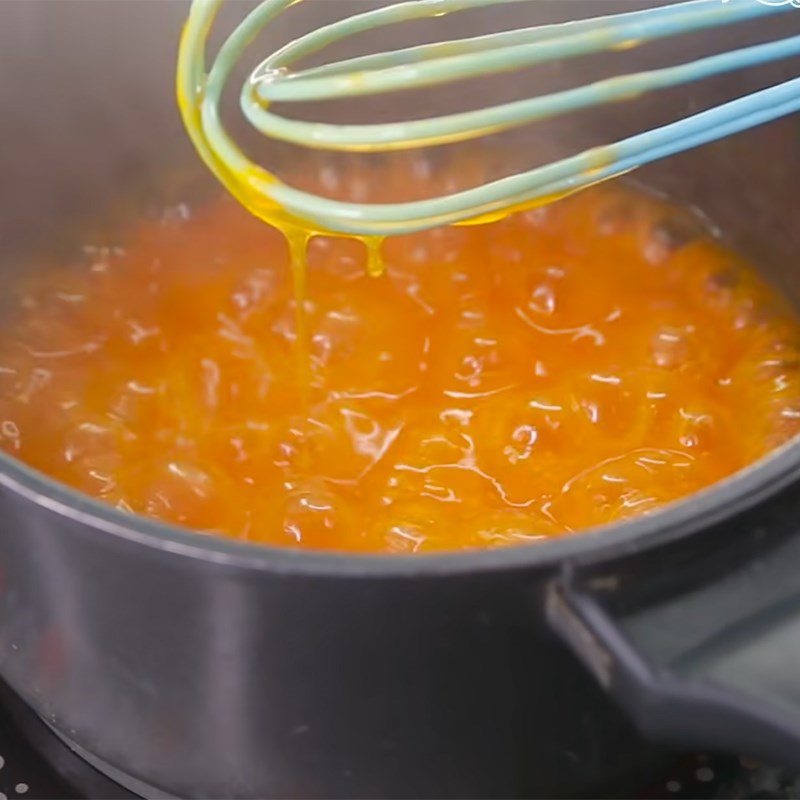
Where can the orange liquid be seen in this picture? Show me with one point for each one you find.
(565, 367)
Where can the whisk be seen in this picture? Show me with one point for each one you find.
(200, 91)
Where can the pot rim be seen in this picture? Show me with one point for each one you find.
(674, 521)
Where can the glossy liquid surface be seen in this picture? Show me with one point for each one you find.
(565, 367)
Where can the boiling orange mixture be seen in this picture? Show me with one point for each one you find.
(569, 366)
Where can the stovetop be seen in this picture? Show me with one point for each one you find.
(36, 765)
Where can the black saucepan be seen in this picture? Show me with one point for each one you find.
(193, 666)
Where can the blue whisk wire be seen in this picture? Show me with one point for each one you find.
(429, 65)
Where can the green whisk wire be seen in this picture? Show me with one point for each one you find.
(273, 80)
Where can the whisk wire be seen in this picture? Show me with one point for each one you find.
(474, 124)
(559, 41)
(553, 180)
(430, 64)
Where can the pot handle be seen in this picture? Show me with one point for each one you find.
(714, 666)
